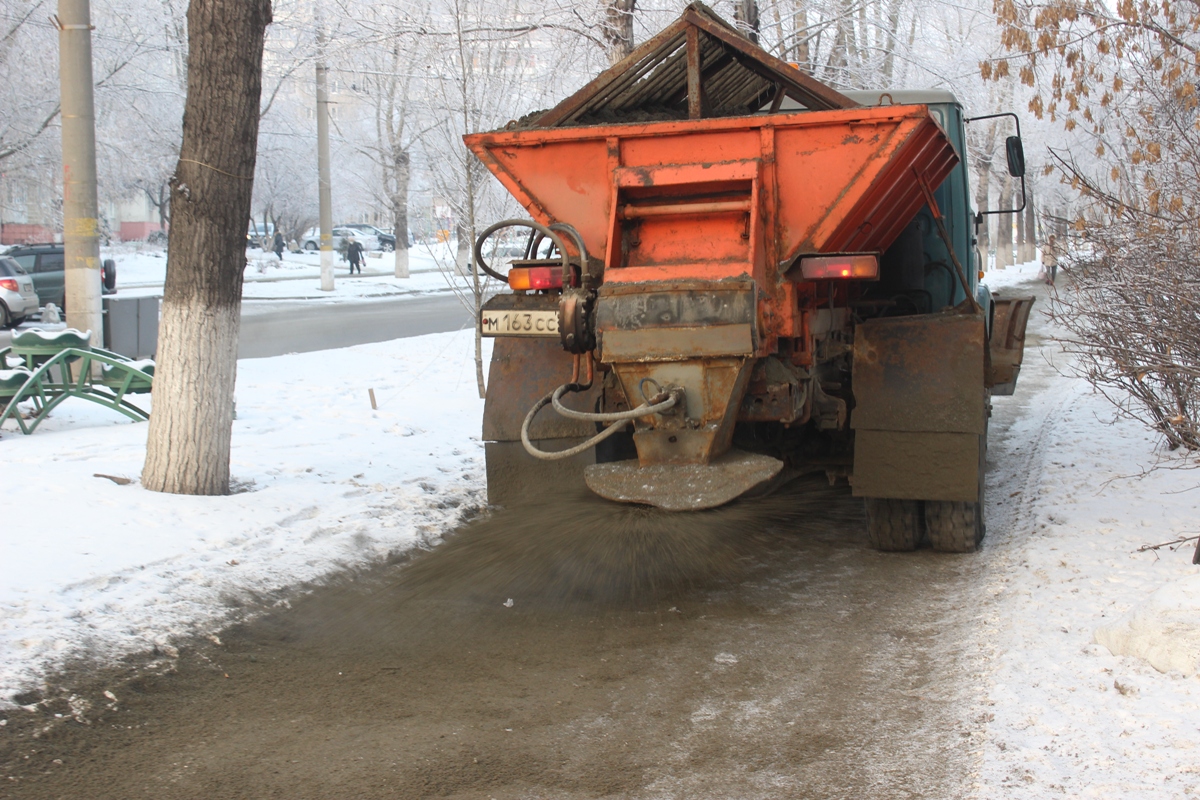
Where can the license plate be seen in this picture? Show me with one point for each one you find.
(519, 323)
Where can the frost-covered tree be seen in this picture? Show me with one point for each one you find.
(187, 447)
(1123, 78)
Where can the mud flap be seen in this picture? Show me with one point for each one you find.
(920, 407)
(1007, 343)
(522, 371)
(514, 476)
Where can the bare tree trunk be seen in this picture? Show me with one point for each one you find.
(618, 28)
(983, 187)
(889, 59)
(745, 15)
(462, 253)
(1004, 232)
(800, 22)
(187, 447)
(780, 36)
(1030, 253)
(400, 211)
(1020, 220)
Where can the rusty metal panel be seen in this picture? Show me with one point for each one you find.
(521, 373)
(713, 389)
(920, 373)
(1007, 344)
(514, 475)
(675, 344)
(651, 307)
(916, 466)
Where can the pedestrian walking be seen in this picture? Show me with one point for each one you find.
(278, 245)
(354, 253)
(1050, 260)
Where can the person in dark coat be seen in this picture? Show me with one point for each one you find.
(354, 253)
(278, 245)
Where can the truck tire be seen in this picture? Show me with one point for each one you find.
(957, 527)
(893, 525)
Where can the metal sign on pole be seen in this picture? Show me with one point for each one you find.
(81, 235)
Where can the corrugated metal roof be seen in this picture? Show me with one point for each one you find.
(726, 75)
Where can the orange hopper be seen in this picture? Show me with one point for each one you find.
(843, 180)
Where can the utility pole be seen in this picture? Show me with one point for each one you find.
(324, 193)
(81, 235)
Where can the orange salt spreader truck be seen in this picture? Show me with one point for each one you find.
(734, 273)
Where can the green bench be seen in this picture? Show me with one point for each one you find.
(56, 365)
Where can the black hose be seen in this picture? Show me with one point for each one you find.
(515, 223)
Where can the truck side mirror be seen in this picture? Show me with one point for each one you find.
(1016, 156)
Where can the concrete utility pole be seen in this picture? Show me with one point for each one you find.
(324, 193)
(81, 235)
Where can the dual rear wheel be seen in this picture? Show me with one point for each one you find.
(948, 526)
(900, 525)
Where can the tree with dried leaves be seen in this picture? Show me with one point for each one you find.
(1124, 78)
(187, 448)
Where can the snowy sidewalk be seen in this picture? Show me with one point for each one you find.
(91, 568)
(1062, 716)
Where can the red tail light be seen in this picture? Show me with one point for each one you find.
(8, 283)
(522, 278)
(822, 268)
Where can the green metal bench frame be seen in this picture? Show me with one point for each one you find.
(120, 377)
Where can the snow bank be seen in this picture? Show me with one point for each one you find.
(1165, 631)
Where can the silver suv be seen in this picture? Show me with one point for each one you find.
(17, 296)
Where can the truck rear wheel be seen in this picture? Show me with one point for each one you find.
(957, 527)
(893, 525)
(954, 527)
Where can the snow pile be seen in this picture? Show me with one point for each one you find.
(1165, 631)
(92, 565)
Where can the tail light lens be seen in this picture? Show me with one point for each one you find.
(8, 283)
(523, 278)
(849, 267)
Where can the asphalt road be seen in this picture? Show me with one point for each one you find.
(566, 651)
(275, 327)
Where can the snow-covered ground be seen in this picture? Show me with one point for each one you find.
(1063, 715)
(331, 483)
(328, 483)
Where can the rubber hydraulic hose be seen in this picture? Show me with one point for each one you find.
(517, 223)
(585, 273)
(616, 427)
(613, 416)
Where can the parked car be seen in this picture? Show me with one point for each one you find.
(260, 235)
(312, 239)
(18, 298)
(45, 264)
(387, 242)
